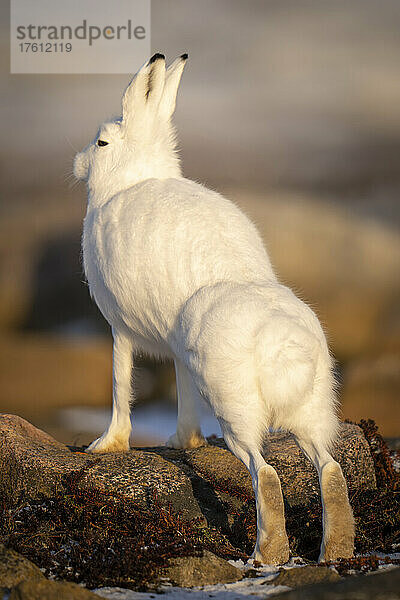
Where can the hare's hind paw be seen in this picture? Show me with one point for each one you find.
(272, 547)
(108, 443)
(275, 551)
(338, 539)
(194, 440)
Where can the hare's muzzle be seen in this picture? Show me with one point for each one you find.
(81, 166)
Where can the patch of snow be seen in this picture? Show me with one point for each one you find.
(259, 586)
(221, 591)
(156, 421)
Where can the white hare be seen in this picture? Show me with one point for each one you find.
(179, 271)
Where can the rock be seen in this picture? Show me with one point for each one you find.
(51, 590)
(206, 482)
(121, 518)
(305, 576)
(298, 476)
(382, 586)
(195, 571)
(14, 568)
(34, 463)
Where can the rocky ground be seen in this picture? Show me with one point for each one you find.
(159, 518)
(200, 578)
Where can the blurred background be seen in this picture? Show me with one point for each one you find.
(290, 108)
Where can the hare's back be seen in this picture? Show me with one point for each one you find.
(193, 228)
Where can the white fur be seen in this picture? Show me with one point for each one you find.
(179, 271)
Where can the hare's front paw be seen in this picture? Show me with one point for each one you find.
(192, 440)
(110, 443)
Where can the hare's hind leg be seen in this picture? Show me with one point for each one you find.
(338, 521)
(272, 546)
(116, 437)
(188, 433)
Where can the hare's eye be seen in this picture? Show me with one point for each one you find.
(101, 143)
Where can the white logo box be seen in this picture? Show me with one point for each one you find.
(79, 36)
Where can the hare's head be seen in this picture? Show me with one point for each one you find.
(140, 144)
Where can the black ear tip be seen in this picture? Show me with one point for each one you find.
(184, 56)
(156, 56)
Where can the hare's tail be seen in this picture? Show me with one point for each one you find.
(295, 380)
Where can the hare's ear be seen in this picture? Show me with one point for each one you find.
(172, 79)
(145, 90)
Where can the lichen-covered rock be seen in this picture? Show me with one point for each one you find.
(383, 586)
(51, 590)
(196, 483)
(307, 575)
(192, 571)
(14, 568)
(298, 476)
(34, 464)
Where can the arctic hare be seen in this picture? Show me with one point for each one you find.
(180, 272)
